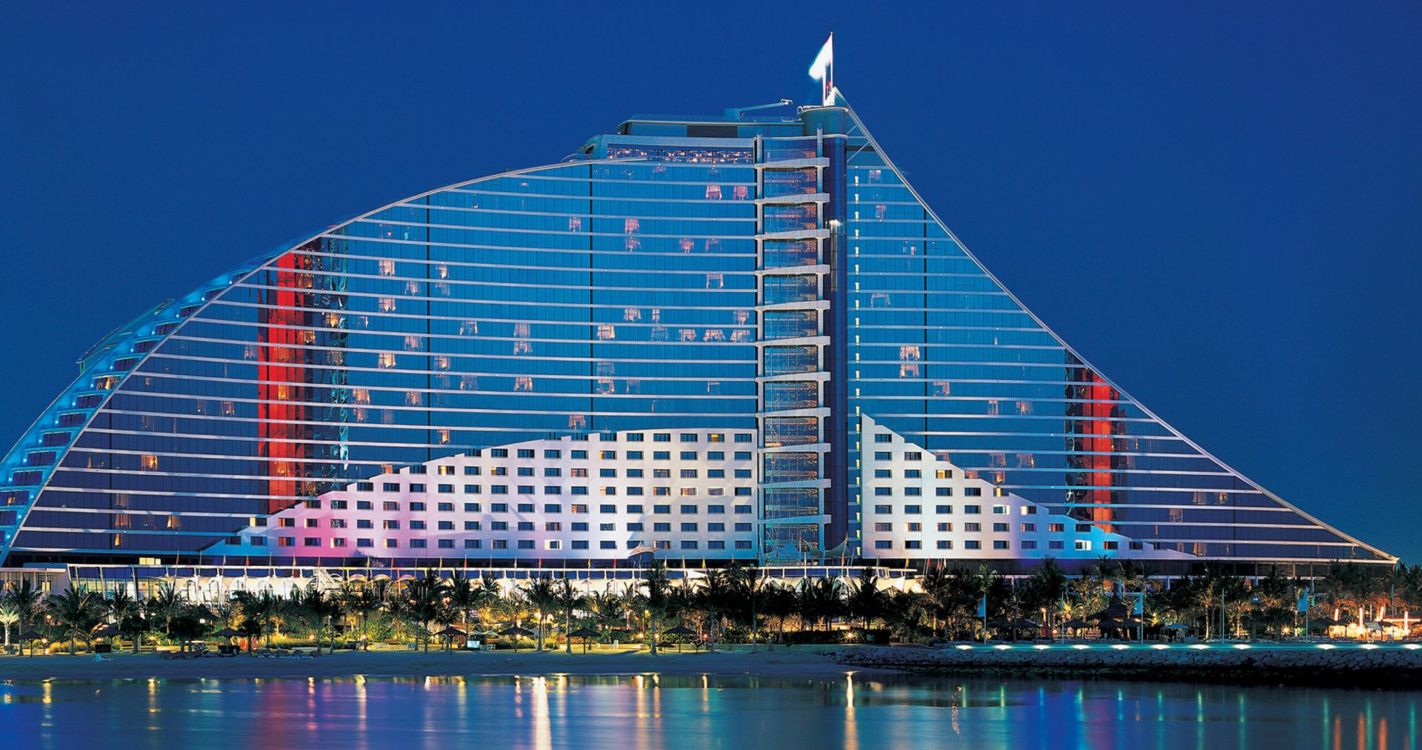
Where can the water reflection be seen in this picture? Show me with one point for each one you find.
(652, 712)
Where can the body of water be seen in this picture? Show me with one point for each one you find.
(637, 712)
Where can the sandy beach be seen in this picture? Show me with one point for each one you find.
(808, 662)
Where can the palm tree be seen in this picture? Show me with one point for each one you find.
(716, 598)
(820, 601)
(865, 600)
(780, 604)
(26, 600)
(748, 586)
(1044, 588)
(424, 603)
(463, 598)
(543, 597)
(259, 614)
(76, 612)
(9, 616)
(167, 603)
(609, 609)
(126, 614)
(569, 599)
(656, 600)
(361, 602)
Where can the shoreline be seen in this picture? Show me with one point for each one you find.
(1355, 668)
(1391, 669)
(810, 663)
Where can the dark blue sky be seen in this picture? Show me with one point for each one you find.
(1219, 206)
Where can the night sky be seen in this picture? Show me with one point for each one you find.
(1218, 206)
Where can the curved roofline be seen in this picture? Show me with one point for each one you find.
(258, 264)
(1393, 559)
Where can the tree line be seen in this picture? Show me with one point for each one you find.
(727, 605)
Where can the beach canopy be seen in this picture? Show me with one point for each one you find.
(679, 630)
(584, 633)
(515, 630)
(227, 633)
(107, 631)
(1176, 626)
(1076, 624)
(450, 632)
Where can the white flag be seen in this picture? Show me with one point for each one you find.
(822, 70)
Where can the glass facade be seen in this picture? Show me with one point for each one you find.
(775, 279)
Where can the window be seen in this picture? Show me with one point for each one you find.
(883, 544)
(883, 527)
(1083, 545)
(973, 491)
(944, 509)
(972, 544)
(999, 544)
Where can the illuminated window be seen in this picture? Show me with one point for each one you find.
(149, 462)
(523, 383)
(386, 360)
(387, 304)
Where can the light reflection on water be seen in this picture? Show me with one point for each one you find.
(651, 712)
